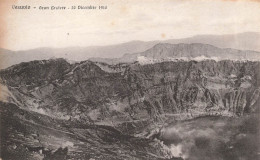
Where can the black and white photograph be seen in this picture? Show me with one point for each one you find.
(129, 80)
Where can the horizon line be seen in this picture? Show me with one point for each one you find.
(130, 41)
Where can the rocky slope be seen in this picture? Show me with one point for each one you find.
(102, 93)
(33, 136)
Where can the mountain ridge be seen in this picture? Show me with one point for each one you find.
(194, 51)
(241, 41)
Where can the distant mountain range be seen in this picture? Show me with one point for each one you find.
(243, 41)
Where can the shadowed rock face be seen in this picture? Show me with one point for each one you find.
(97, 92)
(132, 98)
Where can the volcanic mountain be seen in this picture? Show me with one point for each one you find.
(53, 108)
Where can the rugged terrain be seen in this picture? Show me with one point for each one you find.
(101, 111)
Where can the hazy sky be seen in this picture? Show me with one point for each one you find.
(123, 21)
